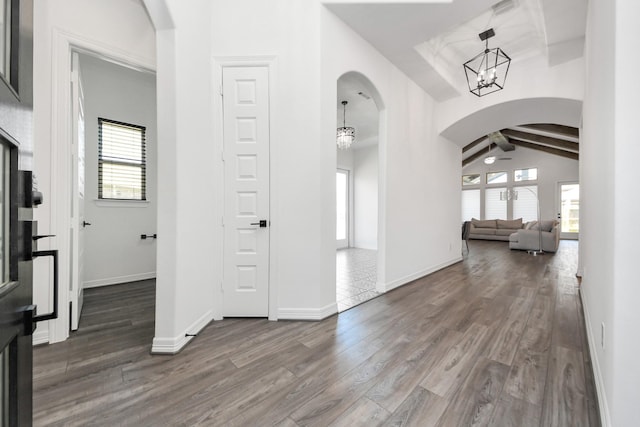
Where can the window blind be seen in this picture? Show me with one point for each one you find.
(494, 208)
(526, 205)
(470, 204)
(121, 161)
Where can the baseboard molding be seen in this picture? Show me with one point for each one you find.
(386, 287)
(174, 345)
(118, 280)
(40, 337)
(308, 313)
(605, 418)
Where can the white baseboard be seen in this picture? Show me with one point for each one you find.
(173, 345)
(382, 287)
(605, 418)
(118, 280)
(308, 313)
(40, 337)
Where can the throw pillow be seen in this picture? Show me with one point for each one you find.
(487, 223)
(510, 224)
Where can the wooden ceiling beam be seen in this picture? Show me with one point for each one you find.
(540, 139)
(546, 149)
(560, 129)
(473, 144)
(480, 153)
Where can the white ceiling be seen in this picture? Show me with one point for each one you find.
(430, 40)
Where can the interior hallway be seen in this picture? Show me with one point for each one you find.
(497, 339)
(356, 276)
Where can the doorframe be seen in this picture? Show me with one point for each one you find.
(63, 44)
(565, 236)
(271, 62)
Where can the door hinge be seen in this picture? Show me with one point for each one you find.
(220, 91)
(222, 221)
(222, 156)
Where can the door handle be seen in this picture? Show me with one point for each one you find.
(85, 223)
(30, 312)
(262, 223)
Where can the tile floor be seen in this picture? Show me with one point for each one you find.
(356, 275)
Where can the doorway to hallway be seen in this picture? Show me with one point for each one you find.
(356, 277)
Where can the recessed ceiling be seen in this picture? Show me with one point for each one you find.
(429, 41)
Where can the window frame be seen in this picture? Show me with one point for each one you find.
(126, 162)
(524, 181)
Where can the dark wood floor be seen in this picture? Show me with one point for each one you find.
(497, 339)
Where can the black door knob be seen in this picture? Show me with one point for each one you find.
(85, 223)
(262, 223)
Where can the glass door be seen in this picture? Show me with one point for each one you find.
(16, 226)
(342, 208)
(569, 210)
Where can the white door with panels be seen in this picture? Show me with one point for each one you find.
(78, 223)
(246, 199)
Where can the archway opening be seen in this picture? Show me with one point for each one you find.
(357, 192)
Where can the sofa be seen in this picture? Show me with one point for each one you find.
(494, 229)
(529, 237)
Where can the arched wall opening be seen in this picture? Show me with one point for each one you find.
(555, 174)
(358, 198)
(462, 130)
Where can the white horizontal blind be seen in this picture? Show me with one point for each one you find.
(494, 208)
(526, 205)
(121, 161)
(470, 204)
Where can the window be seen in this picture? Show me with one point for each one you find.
(525, 206)
(496, 177)
(473, 179)
(121, 161)
(5, 39)
(494, 208)
(530, 174)
(470, 204)
(342, 206)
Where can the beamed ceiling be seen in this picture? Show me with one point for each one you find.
(553, 139)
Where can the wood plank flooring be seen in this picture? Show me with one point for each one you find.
(496, 340)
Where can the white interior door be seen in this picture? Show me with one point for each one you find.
(342, 208)
(77, 190)
(569, 209)
(246, 174)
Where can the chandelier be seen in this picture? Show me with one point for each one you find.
(487, 71)
(345, 135)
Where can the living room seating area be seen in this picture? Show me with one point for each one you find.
(521, 236)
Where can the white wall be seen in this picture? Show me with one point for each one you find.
(365, 195)
(608, 249)
(534, 93)
(412, 160)
(551, 170)
(114, 252)
(121, 28)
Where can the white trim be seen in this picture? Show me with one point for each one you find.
(605, 418)
(381, 287)
(40, 337)
(308, 313)
(173, 345)
(106, 203)
(63, 44)
(118, 280)
(271, 62)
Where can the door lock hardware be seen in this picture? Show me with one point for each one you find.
(262, 223)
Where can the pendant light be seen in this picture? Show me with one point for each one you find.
(487, 71)
(345, 136)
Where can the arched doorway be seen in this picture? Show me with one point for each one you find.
(357, 192)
